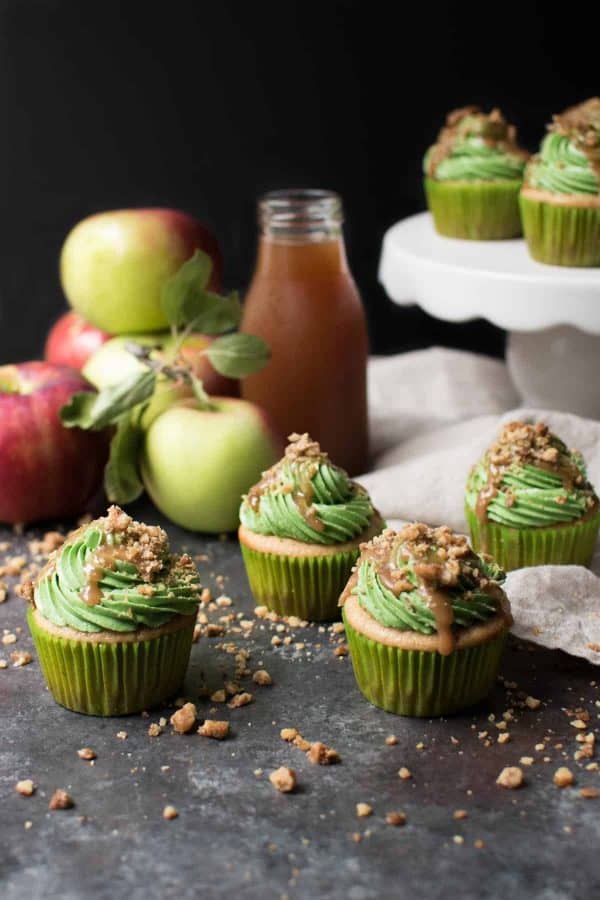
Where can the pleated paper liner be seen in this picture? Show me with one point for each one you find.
(113, 678)
(423, 683)
(305, 586)
(475, 210)
(561, 235)
(515, 548)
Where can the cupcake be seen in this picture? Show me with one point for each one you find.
(473, 174)
(560, 198)
(112, 617)
(529, 503)
(301, 530)
(426, 621)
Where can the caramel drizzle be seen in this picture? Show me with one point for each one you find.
(525, 454)
(103, 558)
(435, 579)
(303, 494)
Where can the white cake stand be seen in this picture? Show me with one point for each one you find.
(552, 313)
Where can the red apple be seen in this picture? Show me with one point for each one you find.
(113, 265)
(71, 341)
(47, 471)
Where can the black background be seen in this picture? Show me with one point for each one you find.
(203, 106)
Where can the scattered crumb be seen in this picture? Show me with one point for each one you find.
(563, 777)
(589, 793)
(25, 788)
(9, 638)
(86, 753)
(218, 696)
(527, 760)
(395, 818)
(283, 779)
(122, 735)
(14, 565)
(504, 737)
(262, 677)
(61, 800)
(342, 650)
(510, 777)
(478, 844)
(404, 773)
(184, 719)
(214, 728)
(459, 814)
(169, 813)
(322, 755)
(21, 658)
(363, 809)
(532, 702)
(391, 740)
(154, 730)
(458, 839)
(578, 723)
(242, 699)
(288, 734)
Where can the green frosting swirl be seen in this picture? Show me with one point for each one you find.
(127, 601)
(522, 490)
(410, 610)
(471, 159)
(528, 497)
(308, 499)
(562, 168)
(475, 146)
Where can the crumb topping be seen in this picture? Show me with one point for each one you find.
(581, 123)
(470, 121)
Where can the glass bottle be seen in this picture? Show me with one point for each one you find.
(303, 301)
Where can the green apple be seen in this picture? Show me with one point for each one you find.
(113, 265)
(112, 362)
(197, 463)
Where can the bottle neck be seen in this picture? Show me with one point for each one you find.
(301, 232)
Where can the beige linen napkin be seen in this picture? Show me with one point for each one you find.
(422, 475)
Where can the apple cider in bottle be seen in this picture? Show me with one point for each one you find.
(303, 301)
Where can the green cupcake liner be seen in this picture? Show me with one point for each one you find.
(477, 211)
(561, 235)
(305, 586)
(515, 548)
(112, 679)
(423, 683)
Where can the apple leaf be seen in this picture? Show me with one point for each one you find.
(95, 411)
(188, 282)
(122, 481)
(212, 313)
(238, 355)
(187, 303)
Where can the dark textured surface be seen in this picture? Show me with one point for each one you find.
(238, 837)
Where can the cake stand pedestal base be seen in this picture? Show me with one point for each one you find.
(552, 313)
(557, 368)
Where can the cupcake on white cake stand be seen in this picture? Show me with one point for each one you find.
(552, 313)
